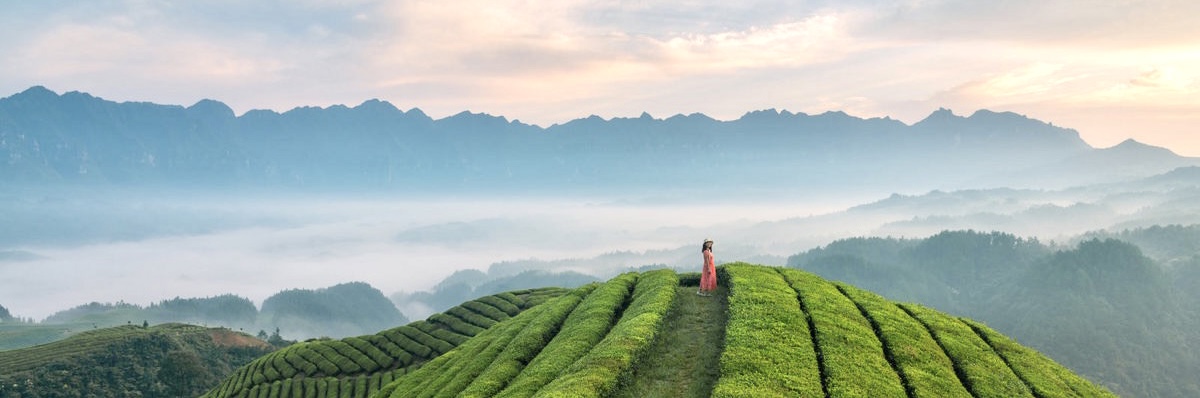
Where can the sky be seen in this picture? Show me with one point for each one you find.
(1112, 70)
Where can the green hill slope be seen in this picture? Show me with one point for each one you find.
(768, 332)
(165, 360)
(360, 366)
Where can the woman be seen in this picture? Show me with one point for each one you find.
(708, 277)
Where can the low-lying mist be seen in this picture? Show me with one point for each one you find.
(64, 250)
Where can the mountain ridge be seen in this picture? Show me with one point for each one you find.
(79, 138)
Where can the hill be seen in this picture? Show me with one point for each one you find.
(345, 309)
(359, 366)
(167, 360)
(768, 332)
(77, 138)
(1101, 306)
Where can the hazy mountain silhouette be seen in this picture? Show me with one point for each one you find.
(73, 138)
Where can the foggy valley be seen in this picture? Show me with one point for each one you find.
(404, 217)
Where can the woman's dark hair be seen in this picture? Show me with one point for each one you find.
(705, 245)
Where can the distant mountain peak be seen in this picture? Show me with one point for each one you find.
(211, 107)
(377, 105)
(36, 92)
(771, 112)
(941, 115)
(1132, 146)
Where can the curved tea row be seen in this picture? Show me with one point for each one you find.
(789, 333)
(360, 366)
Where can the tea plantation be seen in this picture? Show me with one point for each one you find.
(767, 332)
(167, 360)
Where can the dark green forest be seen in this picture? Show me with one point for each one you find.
(346, 309)
(1101, 305)
(170, 360)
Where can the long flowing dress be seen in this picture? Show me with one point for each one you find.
(708, 277)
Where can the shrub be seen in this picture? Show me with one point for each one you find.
(978, 367)
(310, 353)
(407, 343)
(464, 313)
(502, 303)
(456, 324)
(382, 359)
(599, 371)
(437, 347)
(486, 310)
(585, 326)
(399, 355)
(926, 369)
(525, 346)
(768, 348)
(855, 364)
(1045, 377)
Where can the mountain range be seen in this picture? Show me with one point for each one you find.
(76, 138)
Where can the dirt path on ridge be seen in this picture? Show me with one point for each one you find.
(684, 360)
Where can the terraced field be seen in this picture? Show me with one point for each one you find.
(358, 367)
(786, 333)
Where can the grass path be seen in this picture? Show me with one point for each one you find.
(684, 361)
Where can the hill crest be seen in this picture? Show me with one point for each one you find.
(788, 333)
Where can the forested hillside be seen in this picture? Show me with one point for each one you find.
(341, 310)
(170, 360)
(1102, 307)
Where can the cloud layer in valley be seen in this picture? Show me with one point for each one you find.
(255, 247)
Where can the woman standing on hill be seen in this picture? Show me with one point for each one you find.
(708, 277)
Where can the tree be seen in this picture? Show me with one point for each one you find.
(183, 373)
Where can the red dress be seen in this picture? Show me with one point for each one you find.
(708, 277)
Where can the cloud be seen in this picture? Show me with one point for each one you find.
(263, 245)
(551, 62)
(1036, 22)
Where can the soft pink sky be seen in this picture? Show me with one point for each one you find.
(1111, 70)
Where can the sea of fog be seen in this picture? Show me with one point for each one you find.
(60, 251)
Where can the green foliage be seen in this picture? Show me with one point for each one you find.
(925, 368)
(1046, 378)
(685, 360)
(854, 362)
(485, 310)
(768, 349)
(1105, 308)
(456, 324)
(502, 304)
(450, 373)
(466, 314)
(598, 372)
(978, 367)
(341, 310)
(525, 345)
(356, 366)
(157, 361)
(437, 345)
(584, 328)
(1167, 243)
(787, 333)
